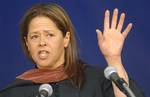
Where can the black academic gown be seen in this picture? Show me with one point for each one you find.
(96, 85)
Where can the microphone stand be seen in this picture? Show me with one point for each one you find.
(124, 88)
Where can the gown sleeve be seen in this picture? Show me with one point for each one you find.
(107, 88)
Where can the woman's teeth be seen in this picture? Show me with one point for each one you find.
(43, 54)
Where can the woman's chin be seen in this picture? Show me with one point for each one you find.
(43, 65)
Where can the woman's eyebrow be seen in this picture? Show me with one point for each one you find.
(33, 32)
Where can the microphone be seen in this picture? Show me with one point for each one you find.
(111, 74)
(45, 90)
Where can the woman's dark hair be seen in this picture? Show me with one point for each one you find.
(73, 67)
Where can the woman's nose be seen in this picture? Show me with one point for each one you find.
(42, 41)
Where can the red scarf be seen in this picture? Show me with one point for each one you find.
(44, 75)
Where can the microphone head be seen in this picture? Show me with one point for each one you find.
(46, 87)
(109, 70)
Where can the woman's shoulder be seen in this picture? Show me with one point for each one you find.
(15, 83)
(18, 88)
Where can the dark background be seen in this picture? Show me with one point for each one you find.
(86, 15)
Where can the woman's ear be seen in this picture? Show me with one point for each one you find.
(26, 43)
(67, 39)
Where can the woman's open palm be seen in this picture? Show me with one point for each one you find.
(112, 38)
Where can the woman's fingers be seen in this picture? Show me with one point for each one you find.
(116, 24)
(127, 30)
(106, 21)
(121, 22)
(99, 36)
(114, 18)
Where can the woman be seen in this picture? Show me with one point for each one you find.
(48, 40)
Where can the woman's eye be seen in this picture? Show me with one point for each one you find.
(50, 35)
(34, 37)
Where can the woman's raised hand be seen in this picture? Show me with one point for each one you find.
(111, 42)
(112, 38)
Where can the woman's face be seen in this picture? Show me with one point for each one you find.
(46, 43)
